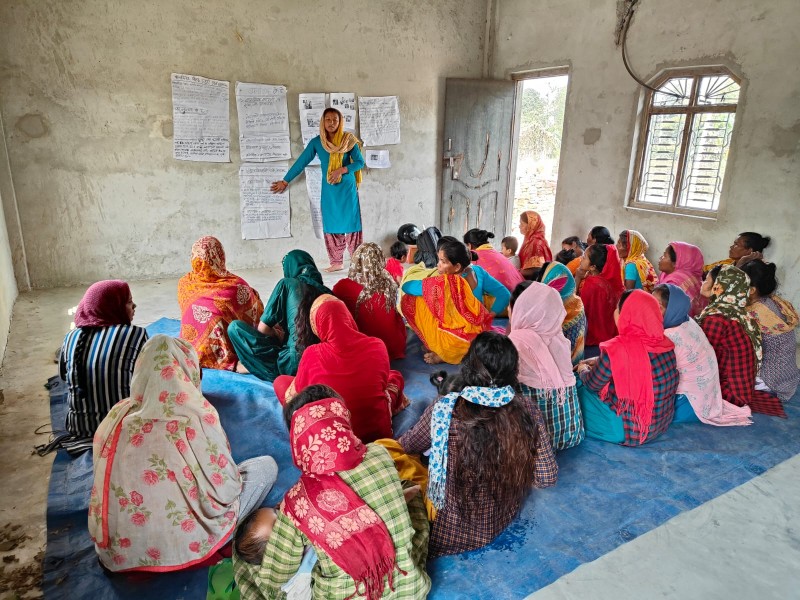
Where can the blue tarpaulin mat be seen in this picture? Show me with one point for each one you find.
(606, 494)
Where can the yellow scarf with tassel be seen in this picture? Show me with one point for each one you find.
(342, 141)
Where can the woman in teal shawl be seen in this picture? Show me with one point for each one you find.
(272, 349)
(558, 277)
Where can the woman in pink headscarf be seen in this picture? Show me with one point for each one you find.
(681, 264)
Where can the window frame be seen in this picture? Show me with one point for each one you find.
(647, 110)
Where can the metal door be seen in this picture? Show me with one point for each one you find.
(478, 124)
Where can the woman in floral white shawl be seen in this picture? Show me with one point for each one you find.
(167, 493)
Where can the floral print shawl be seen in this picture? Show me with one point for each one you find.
(166, 489)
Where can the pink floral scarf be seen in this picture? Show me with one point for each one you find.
(166, 489)
(335, 519)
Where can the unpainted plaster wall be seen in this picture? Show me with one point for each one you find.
(759, 40)
(87, 104)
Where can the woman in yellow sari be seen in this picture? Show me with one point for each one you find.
(443, 310)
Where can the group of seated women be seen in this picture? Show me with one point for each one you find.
(691, 344)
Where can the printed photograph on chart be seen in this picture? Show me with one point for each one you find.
(335, 102)
(307, 104)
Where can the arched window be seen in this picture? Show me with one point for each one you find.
(684, 141)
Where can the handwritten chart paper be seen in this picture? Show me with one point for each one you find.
(314, 189)
(264, 214)
(200, 118)
(379, 118)
(263, 122)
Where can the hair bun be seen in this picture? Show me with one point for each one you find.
(473, 256)
(766, 239)
(489, 235)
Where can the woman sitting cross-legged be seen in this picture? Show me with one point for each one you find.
(736, 339)
(446, 311)
(274, 348)
(353, 364)
(98, 356)
(211, 298)
(167, 494)
(699, 394)
(637, 272)
(545, 366)
(349, 505)
(491, 260)
(600, 292)
(370, 294)
(628, 394)
(682, 265)
(487, 444)
(777, 319)
(558, 277)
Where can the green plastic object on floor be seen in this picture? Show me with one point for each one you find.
(221, 585)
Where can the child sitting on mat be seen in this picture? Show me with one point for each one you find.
(394, 264)
(508, 247)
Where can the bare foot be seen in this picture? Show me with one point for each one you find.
(334, 268)
(432, 358)
(240, 368)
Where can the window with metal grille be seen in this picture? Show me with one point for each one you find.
(685, 138)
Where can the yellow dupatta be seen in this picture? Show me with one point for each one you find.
(343, 141)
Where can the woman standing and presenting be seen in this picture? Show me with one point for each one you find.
(341, 159)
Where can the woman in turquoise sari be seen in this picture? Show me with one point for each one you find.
(274, 348)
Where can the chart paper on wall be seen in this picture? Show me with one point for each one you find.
(264, 214)
(345, 103)
(377, 159)
(379, 119)
(263, 122)
(311, 107)
(200, 118)
(314, 189)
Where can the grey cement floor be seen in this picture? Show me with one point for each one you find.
(744, 544)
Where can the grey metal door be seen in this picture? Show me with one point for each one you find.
(478, 124)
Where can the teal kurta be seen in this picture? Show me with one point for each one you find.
(341, 212)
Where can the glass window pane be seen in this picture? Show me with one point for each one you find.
(659, 168)
(717, 89)
(709, 143)
(676, 92)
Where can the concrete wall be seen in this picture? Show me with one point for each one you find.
(759, 40)
(87, 102)
(8, 282)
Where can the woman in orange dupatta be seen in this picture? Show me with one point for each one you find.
(444, 312)
(534, 251)
(353, 364)
(210, 298)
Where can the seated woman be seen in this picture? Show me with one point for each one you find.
(98, 356)
(699, 394)
(349, 505)
(558, 277)
(167, 494)
(777, 319)
(487, 445)
(210, 298)
(748, 246)
(600, 292)
(599, 235)
(353, 364)
(274, 348)
(446, 311)
(572, 248)
(628, 395)
(534, 251)
(370, 294)
(736, 339)
(545, 365)
(637, 272)
(425, 259)
(490, 260)
(682, 265)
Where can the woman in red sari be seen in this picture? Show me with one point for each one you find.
(370, 294)
(534, 251)
(353, 364)
(601, 291)
(210, 299)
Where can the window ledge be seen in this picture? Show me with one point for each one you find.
(674, 213)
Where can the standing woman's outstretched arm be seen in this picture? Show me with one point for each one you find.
(301, 163)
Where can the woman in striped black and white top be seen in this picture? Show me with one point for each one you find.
(97, 357)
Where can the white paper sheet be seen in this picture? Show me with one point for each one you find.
(379, 118)
(377, 159)
(311, 107)
(201, 119)
(345, 103)
(264, 214)
(263, 122)
(314, 189)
